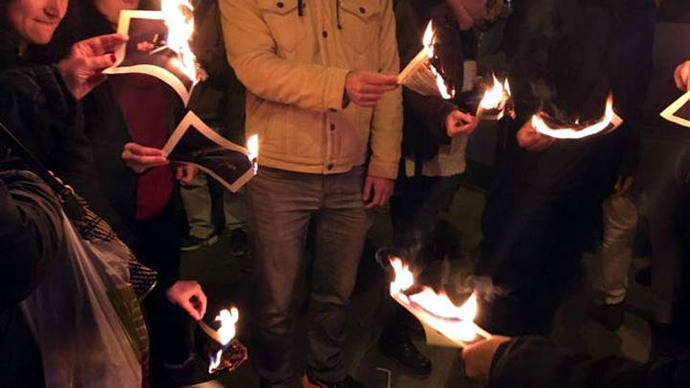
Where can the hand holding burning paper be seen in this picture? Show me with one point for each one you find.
(421, 75)
(444, 323)
(231, 353)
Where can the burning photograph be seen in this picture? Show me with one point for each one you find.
(679, 111)
(194, 142)
(149, 51)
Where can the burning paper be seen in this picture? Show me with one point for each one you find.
(543, 124)
(445, 324)
(420, 75)
(679, 111)
(226, 332)
(497, 101)
(195, 142)
(158, 45)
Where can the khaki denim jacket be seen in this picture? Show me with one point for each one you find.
(293, 57)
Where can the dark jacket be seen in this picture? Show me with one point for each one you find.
(105, 127)
(533, 362)
(424, 121)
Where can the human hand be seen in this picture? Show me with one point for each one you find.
(377, 191)
(365, 88)
(460, 123)
(479, 356)
(623, 184)
(188, 295)
(140, 158)
(531, 140)
(185, 172)
(682, 76)
(81, 70)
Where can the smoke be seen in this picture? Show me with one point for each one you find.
(483, 285)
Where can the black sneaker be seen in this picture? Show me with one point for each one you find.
(239, 243)
(191, 243)
(311, 382)
(396, 344)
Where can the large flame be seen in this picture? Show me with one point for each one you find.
(574, 132)
(227, 331)
(428, 41)
(436, 309)
(179, 17)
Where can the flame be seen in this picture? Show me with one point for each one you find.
(575, 133)
(428, 41)
(179, 17)
(496, 97)
(436, 309)
(253, 148)
(227, 331)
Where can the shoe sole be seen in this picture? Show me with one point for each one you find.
(208, 242)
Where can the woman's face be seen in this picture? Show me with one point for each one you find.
(36, 20)
(111, 8)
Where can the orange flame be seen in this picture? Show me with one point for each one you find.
(436, 309)
(574, 132)
(253, 147)
(428, 41)
(227, 331)
(179, 17)
(496, 98)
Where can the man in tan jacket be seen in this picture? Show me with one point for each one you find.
(323, 98)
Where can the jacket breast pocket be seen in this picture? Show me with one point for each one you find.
(284, 22)
(361, 23)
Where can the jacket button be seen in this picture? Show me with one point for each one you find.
(324, 34)
(362, 10)
(330, 166)
(280, 4)
(332, 127)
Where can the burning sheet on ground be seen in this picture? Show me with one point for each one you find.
(445, 324)
(228, 163)
(609, 122)
(679, 111)
(158, 46)
(421, 75)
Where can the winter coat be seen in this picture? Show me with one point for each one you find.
(293, 58)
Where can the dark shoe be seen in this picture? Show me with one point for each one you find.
(239, 243)
(193, 371)
(191, 243)
(644, 277)
(396, 344)
(311, 382)
(610, 315)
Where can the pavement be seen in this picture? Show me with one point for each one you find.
(227, 281)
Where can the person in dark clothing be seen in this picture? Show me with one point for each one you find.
(127, 119)
(545, 209)
(534, 362)
(435, 135)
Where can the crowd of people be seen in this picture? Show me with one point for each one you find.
(90, 233)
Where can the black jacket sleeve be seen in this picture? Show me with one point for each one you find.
(535, 363)
(30, 234)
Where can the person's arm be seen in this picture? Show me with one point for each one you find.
(251, 51)
(534, 362)
(30, 234)
(386, 132)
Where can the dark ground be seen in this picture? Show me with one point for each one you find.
(227, 282)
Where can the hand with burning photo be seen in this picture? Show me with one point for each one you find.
(225, 351)
(531, 140)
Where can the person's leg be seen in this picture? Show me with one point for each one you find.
(620, 221)
(341, 226)
(196, 199)
(234, 209)
(279, 207)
